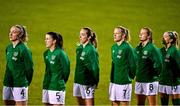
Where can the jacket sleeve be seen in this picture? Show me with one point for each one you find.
(28, 65)
(157, 61)
(176, 58)
(112, 72)
(7, 77)
(92, 64)
(66, 66)
(132, 63)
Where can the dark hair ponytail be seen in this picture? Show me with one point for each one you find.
(58, 38)
(59, 42)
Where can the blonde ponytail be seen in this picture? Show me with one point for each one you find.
(176, 35)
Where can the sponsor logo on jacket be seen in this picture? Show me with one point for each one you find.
(82, 55)
(14, 57)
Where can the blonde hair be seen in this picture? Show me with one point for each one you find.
(125, 31)
(176, 36)
(23, 34)
(149, 33)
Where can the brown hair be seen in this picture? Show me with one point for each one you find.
(92, 35)
(58, 37)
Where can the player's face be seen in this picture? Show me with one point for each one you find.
(117, 35)
(166, 38)
(13, 34)
(143, 36)
(49, 41)
(83, 36)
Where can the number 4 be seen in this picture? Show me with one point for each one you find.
(23, 93)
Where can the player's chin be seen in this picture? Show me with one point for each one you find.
(114, 40)
(47, 46)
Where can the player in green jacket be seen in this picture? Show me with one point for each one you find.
(123, 68)
(19, 68)
(57, 70)
(149, 65)
(87, 68)
(169, 84)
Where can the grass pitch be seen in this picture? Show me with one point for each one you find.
(68, 17)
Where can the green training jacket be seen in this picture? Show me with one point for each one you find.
(149, 63)
(123, 63)
(57, 69)
(19, 67)
(170, 74)
(87, 65)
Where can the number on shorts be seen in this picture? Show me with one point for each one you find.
(174, 88)
(23, 93)
(124, 93)
(88, 90)
(58, 96)
(151, 87)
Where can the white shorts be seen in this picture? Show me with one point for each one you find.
(84, 91)
(120, 92)
(146, 88)
(53, 97)
(15, 93)
(169, 89)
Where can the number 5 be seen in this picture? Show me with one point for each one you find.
(58, 96)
